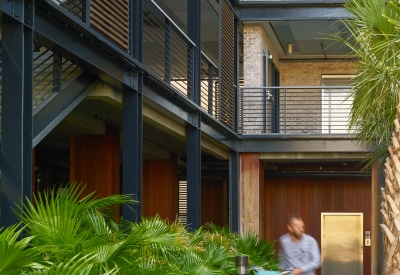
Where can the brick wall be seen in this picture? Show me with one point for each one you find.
(255, 109)
(301, 73)
(302, 118)
(307, 117)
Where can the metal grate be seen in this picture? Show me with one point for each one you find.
(227, 65)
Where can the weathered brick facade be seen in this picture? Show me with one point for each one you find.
(257, 114)
(255, 108)
(309, 73)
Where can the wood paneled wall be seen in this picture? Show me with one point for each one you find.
(251, 175)
(160, 187)
(214, 201)
(311, 196)
(94, 162)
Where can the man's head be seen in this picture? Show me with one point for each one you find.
(295, 226)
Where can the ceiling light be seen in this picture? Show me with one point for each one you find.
(290, 48)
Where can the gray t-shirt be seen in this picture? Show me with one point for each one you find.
(303, 254)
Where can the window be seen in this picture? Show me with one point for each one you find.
(336, 104)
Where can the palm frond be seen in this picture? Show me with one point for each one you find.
(16, 255)
(372, 35)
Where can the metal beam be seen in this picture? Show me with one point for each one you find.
(234, 190)
(303, 145)
(182, 107)
(226, 139)
(132, 152)
(13, 10)
(65, 42)
(16, 117)
(61, 105)
(291, 2)
(295, 13)
(166, 102)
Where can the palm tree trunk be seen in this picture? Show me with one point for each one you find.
(391, 204)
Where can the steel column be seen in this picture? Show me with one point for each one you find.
(132, 151)
(194, 33)
(133, 121)
(193, 130)
(16, 117)
(194, 174)
(234, 190)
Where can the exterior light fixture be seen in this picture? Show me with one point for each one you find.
(290, 48)
(270, 56)
(241, 264)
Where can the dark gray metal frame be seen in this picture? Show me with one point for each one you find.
(298, 12)
(50, 26)
(132, 120)
(16, 119)
(194, 130)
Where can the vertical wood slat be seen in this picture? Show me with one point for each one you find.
(249, 216)
(346, 194)
(227, 67)
(214, 202)
(160, 188)
(262, 196)
(174, 190)
(111, 19)
(94, 162)
(375, 220)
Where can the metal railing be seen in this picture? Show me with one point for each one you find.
(166, 49)
(302, 110)
(110, 18)
(209, 86)
(50, 74)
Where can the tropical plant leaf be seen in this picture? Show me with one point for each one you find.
(15, 254)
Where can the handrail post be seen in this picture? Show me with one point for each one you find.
(210, 87)
(241, 111)
(285, 110)
(330, 111)
(86, 11)
(167, 72)
(264, 93)
(241, 263)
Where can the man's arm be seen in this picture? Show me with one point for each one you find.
(314, 257)
(282, 258)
